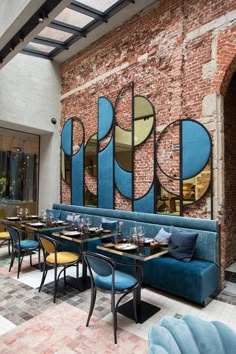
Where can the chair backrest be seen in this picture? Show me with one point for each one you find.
(100, 264)
(14, 233)
(47, 243)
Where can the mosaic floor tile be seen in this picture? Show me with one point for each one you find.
(26, 312)
(63, 330)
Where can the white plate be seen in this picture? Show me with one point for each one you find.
(148, 240)
(12, 218)
(71, 233)
(36, 224)
(33, 216)
(125, 247)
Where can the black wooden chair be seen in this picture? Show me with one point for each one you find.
(54, 257)
(109, 279)
(21, 248)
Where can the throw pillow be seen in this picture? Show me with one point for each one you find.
(183, 243)
(55, 214)
(107, 224)
(162, 236)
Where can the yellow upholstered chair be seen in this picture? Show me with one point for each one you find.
(5, 239)
(55, 258)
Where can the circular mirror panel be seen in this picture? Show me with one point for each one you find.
(143, 119)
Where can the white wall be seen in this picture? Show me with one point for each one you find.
(30, 91)
(9, 11)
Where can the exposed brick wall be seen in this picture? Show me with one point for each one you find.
(230, 172)
(177, 54)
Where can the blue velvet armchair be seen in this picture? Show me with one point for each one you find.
(191, 334)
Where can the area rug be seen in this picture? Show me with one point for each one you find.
(61, 330)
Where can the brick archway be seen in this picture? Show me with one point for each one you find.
(226, 61)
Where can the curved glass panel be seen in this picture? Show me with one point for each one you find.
(123, 153)
(90, 165)
(143, 119)
(105, 117)
(66, 167)
(196, 148)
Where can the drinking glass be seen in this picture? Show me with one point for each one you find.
(141, 231)
(133, 234)
(88, 221)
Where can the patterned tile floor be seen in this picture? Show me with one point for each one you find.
(24, 311)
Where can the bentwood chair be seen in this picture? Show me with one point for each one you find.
(55, 258)
(5, 239)
(109, 279)
(21, 248)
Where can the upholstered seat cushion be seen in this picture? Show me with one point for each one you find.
(191, 334)
(27, 244)
(4, 234)
(63, 257)
(122, 281)
(194, 280)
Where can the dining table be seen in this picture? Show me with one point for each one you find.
(139, 254)
(74, 236)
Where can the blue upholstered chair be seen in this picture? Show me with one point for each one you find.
(110, 280)
(191, 334)
(21, 248)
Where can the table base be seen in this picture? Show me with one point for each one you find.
(80, 283)
(145, 310)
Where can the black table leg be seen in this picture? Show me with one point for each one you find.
(144, 309)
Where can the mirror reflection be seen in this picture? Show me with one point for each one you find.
(91, 171)
(143, 119)
(66, 167)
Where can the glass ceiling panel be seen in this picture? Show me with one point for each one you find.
(55, 34)
(39, 47)
(74, 18)
(101, 5)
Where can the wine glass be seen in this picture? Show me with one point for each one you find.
(133, 234)
(141, 231)
(88, 221)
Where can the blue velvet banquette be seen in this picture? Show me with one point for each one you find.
(197, 280)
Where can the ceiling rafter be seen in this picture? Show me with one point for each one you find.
(88, 11)
(61, 26)
(49, 42)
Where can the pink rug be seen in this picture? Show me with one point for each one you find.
(61, 330)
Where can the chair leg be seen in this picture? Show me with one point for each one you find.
(55, 283)
(31, 264)
(92, 303)
(135, 305)
(20, 259)
(114, 313)
(77, 270)
(39, 260)
(13, 255)
(64, 273)
(45, 271)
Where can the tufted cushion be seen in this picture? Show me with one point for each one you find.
(191, 334)
(63, 257)
(56, 214)
(122, 281)
(183, 243)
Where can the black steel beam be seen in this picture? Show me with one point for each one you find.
(49, 42)
(87, 10)
(65, 27)
(28, 27)
(35, 53)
